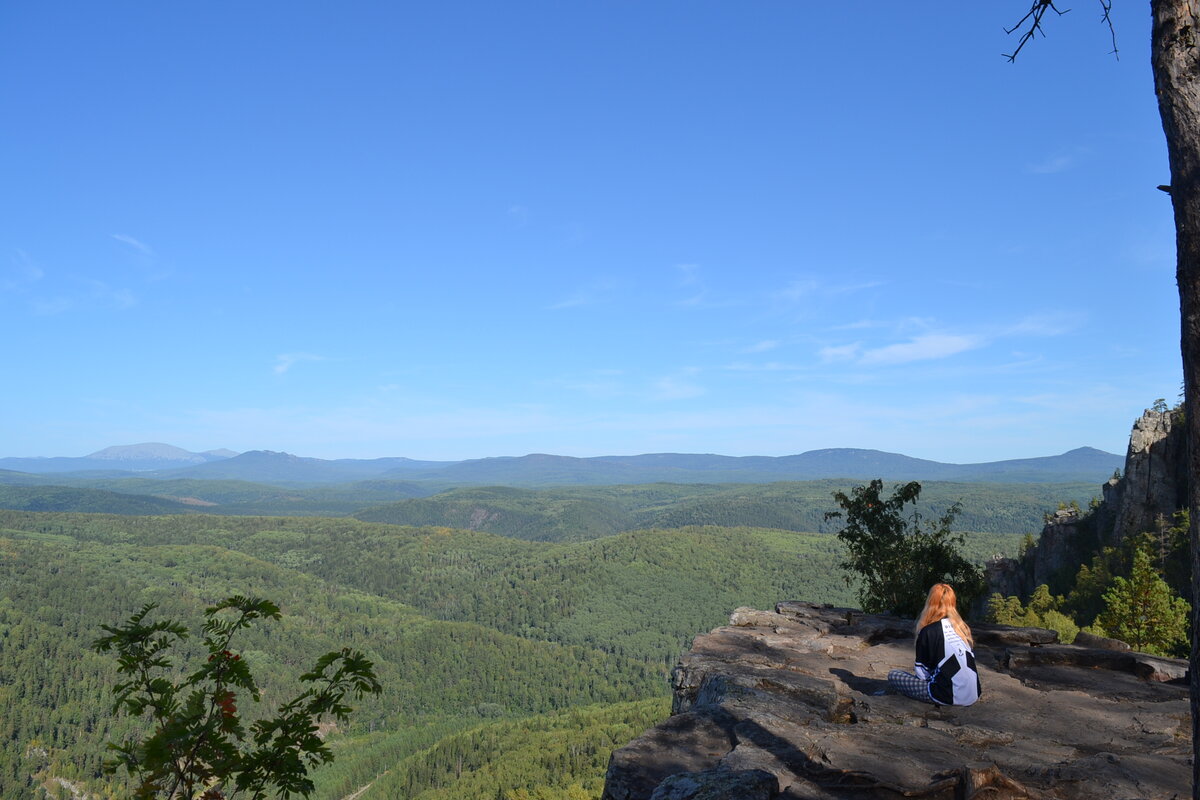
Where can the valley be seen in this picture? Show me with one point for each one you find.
(521, 633)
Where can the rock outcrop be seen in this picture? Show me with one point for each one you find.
(1153, 487)
(1155, 481)
(794, 704)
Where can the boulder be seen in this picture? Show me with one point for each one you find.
(1085, 639)
(718, 784)
(805, 700)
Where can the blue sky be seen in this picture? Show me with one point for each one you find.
(465, 229)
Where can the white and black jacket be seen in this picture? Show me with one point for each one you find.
(947, 664)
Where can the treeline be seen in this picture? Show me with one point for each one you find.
(590, 512)
(552, 514)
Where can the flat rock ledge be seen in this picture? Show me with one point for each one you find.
(794, 704)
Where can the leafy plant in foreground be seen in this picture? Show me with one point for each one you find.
(198, 748)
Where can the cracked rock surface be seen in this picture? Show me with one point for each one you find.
(800, 694)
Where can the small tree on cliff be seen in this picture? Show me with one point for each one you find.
(895, 558)
(198, 748)
(1143, 610)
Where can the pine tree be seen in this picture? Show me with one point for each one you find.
(1143, 611)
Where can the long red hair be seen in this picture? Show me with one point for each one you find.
(940, 604)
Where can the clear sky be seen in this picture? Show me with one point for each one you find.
(451, 229)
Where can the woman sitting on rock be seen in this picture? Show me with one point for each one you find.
(945, 667)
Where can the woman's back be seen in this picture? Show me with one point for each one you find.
(949, 664)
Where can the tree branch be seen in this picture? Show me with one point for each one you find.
(1034, 19)
(1031, 24)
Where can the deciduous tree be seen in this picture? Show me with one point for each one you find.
(896, 558)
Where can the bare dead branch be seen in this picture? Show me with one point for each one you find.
(1031, 24)
(1106, 18)
(1034, 19)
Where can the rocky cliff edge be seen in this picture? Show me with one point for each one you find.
(794, 704)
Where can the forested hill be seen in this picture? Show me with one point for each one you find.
(548, 514)
(509, 664)
(590, 512)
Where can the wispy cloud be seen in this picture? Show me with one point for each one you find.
(592, 294)
(582, 297)
(519, 214)
(761, 347)
(1045, 325)
(806, 289)
(24, 272)
(922, 348)
(844, 352)
(52, 305)
(691, 280)
(765, 366)
(797, 290)
(1050, 165)
(678, 386)
(697, 294)
(286, 361)
(112, 297)
(673, 388)
(850, 288)
(141, 247)
(861, 324)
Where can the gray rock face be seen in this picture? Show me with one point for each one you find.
(718, 784)
(1153, 488)
(801, 694)
(1155, 479)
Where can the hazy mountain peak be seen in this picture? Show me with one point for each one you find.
(146, 450)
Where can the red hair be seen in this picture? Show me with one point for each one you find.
(940, 604)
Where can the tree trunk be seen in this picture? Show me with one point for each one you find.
(1175, 56)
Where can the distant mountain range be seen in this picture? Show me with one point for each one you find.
(162, 461)
(123, 458)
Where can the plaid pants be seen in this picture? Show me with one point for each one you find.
(909, 685)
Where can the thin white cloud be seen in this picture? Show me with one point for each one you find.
(1048, 325)
(845, 352)
(921, 348)
(675, 389)
(854, 287)
(761, 347)
(519, 214)
(113, 297)
(678, 386)
(766, 366)
(50, 306)
(25, 271)
(286, 361)
(697, 291)
(861, 324)
(797, 290)
(1051, 165)
(141, 247)
(580, 298)
(593, 294)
